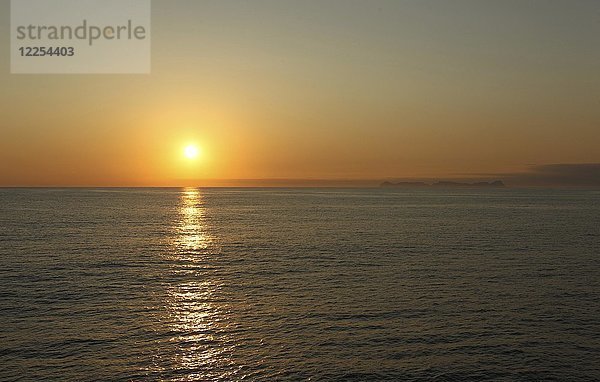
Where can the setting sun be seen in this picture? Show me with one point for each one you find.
(191, 152)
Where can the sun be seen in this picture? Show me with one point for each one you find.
(191, 152)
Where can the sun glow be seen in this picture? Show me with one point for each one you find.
(191, 152)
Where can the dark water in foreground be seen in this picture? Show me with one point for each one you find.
(348, 285)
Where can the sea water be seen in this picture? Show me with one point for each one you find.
(299, 284)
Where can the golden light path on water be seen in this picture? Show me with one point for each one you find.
(198, 318)
(193, 231)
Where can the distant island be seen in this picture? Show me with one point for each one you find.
(445, 184)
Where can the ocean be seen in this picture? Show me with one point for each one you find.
(299, 284)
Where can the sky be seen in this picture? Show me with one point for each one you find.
(318, 90)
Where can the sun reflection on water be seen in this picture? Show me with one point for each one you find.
(198, 318)
(192, 229)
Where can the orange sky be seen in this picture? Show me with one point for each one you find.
(313, 90)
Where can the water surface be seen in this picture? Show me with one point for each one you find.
(298, 284)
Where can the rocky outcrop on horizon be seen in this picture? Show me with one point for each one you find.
(445, 184)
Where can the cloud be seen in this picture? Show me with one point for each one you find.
(558, 175)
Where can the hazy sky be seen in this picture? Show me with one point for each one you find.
(318, 89)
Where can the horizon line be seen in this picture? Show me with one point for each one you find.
(253, 183)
